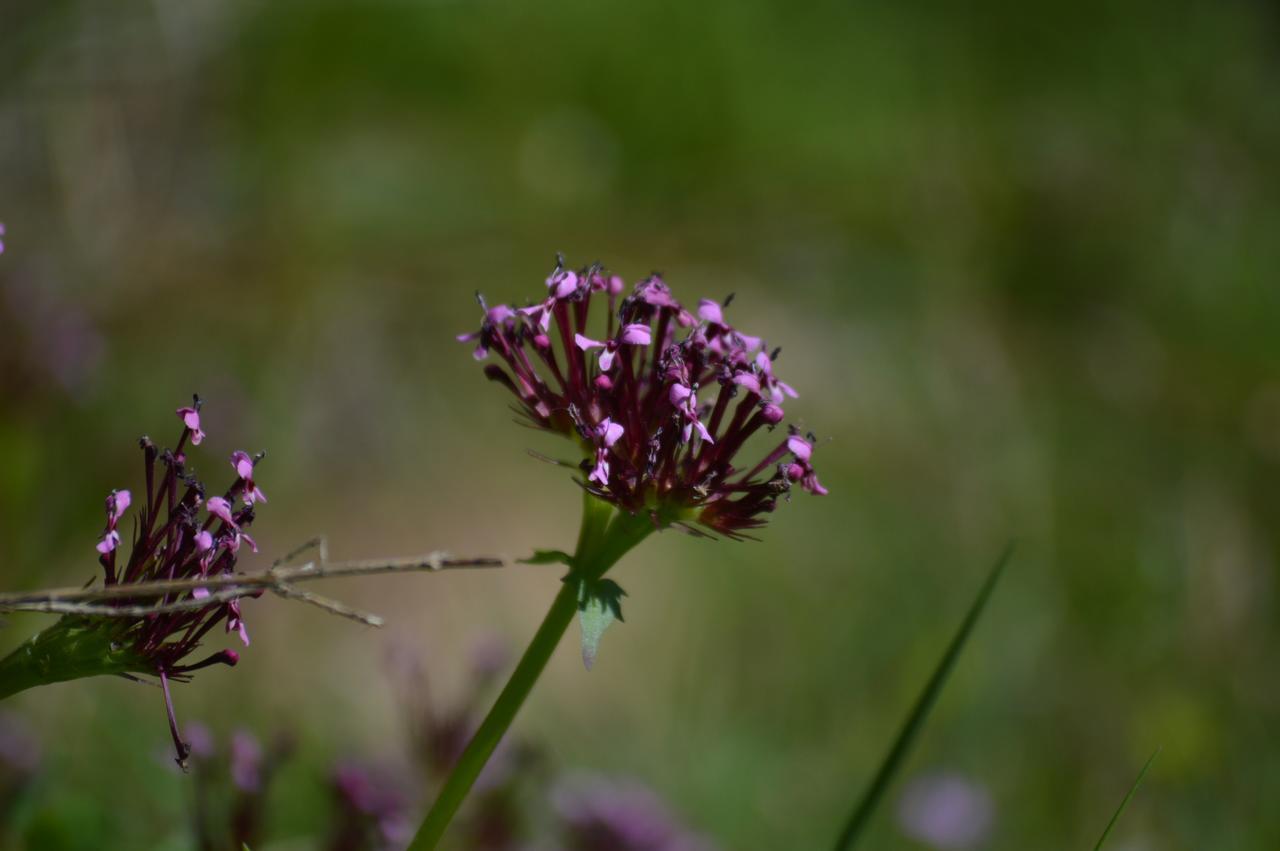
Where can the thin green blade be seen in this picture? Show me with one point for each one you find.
(1128, 795)
(919, 712)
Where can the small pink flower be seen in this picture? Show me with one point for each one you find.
(243, 464)
(779, 389)
(190, 417)
(117, 502)
(235, 621)
(636, 334)
(494, 318)
(686, 401)
(109, 542)
(609, 431)
(221, 509)
(233, 543)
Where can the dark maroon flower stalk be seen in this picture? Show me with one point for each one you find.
(661, 405)
(177, 534)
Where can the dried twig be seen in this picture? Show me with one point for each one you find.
(278, 579)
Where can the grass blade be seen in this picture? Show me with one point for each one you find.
(1132, 789)
(919, 712)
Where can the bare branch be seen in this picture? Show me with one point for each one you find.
(278, 579)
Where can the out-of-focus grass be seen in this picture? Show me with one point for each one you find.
(1020, 261)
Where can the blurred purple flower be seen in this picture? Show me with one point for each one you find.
(373, 809)
(602, 814)
(19, 761)
(1, 237)
(246, 761)
(635, 408)
(230, 801)
(946, 811)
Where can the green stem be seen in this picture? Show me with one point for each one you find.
(70, 649)
(604, 538)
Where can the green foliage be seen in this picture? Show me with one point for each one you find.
(599, 605)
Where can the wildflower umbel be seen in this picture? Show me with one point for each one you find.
(174, 538)
(661, 404)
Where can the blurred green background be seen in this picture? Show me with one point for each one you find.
(1022, 261)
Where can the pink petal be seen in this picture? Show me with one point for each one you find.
(749, 381)
(199, 593)
(242, 464)
(679, 393)
(610, 431)
(221, 509)
(585, 343)
(204, 541)
(799, 447)
(109, 542)
(637, 335)
(710, 311)
(606, 359)
(567, 286)
(702, 430)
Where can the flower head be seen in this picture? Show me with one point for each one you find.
(173, 538)
(661, 404)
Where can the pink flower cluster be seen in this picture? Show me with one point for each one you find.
(632, 397)
(174, 539)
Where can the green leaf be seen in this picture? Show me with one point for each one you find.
(599, 605)
(1132, 789)
(548, 557)
(911, 727)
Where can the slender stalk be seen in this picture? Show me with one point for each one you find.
(1115, 817)
(605, 536)
(911, 727)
